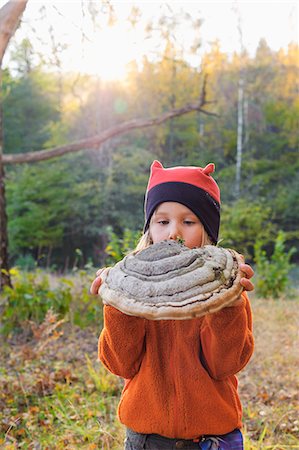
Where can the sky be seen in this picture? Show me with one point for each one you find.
(107, 50)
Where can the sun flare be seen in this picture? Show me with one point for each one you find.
(109, 54)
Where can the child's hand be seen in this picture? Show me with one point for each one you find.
(245, 281)
(96, 284)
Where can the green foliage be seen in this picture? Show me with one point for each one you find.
(119, 247)
(242, 223)
(35, 208)
(31, 298)
(273, 273)
(59, 206)
(85, 309)
(25, 262)
(125, 187)
(29, 111)
(35, 293)
(287, 204)
(53, 205)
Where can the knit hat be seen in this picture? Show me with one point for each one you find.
(192, 186)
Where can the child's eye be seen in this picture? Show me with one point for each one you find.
(189, 222)
(163, 222)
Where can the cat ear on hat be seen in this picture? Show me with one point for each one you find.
(210, 168)
(156, 165)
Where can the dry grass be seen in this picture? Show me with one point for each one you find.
(269, 384)
(56, 396)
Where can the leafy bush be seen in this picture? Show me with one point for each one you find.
(35, 293)
(118, 247)
(85, 309)
(244, 222)
(273, 273)
(30, 299)
(26, 262)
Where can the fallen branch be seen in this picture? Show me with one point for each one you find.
(97, 140)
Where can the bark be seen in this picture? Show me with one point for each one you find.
(4, 266)
(240, 124)
(10, 15)
(239, 136)
(96, 141)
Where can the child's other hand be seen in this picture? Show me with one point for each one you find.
(96, 284)
(245, 281)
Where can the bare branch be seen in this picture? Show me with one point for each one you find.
(97, 140)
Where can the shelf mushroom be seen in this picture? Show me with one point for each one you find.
(169, 281)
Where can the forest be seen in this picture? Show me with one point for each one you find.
(66, 208)
(69, 215)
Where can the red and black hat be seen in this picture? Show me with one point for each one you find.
(194, 187)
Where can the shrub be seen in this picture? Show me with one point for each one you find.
(273, 273)
(244, 222)
(26, 262)
(119, 247)
(30, 299)
(35, 293)
(85, 309)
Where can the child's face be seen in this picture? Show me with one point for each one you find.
(173, 220)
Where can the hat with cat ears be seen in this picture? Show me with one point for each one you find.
(191, 186)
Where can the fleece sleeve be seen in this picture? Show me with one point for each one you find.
(226, 339)
(121, 343)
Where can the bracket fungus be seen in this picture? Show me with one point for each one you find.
(170, 281)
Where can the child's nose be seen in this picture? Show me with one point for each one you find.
(174, 232)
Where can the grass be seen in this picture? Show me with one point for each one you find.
(55, 395)
(269, 384)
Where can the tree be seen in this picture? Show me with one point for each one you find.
(240, 125)
(30, 110)
(96, 141)
(10, 15)
(167, 80)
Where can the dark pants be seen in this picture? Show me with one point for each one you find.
(137, 441)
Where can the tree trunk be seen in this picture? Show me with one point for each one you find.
(239, 136)
(4, 266)
(240, 125)
(170, 148)
(10, 15)
(49, 256)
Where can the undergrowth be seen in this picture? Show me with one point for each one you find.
(56, 395)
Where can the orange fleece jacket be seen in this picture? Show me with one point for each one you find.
(180, 374)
